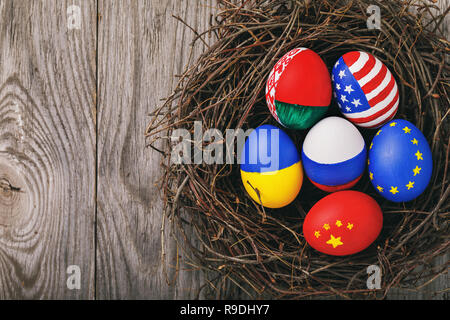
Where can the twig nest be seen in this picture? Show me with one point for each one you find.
(262, 251)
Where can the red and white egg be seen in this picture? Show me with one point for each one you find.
(343, 223)
(365, 90)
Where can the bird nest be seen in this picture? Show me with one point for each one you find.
(262, 252)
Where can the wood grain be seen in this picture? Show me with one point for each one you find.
(79, 187)
(141, 47)
(47, 149)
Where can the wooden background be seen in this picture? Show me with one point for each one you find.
(77, 185)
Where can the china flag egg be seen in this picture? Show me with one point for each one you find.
(271, 170)
(343, 223)
(400, 161)
(298, 90)
(334, 154)
(365, 89)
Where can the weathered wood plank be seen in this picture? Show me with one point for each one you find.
(141, 48)
(47, 149)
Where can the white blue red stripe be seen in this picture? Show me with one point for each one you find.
(334, 154)
(335, 174)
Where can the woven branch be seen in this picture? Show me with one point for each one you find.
(262, 251)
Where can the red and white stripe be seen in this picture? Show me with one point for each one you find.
(379, 86)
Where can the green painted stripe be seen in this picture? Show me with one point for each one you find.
(298, 117)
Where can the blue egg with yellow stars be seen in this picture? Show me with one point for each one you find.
(271, 169)
(400, 161)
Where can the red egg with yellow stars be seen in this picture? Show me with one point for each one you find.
(343, 223)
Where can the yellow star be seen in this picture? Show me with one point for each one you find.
(370, 175)
(317, 234)
(393, 124)
(407, 130)
(414, 141)
(416, 170)
(393, 190)
(326, 226)
(334, 241)
(410, 185)
(338, 223)
(350, 226)
(371, 145)
(379, 188)
(378, 132)
(418, 155)
(368, 161)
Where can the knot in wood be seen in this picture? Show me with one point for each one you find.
(13, 199)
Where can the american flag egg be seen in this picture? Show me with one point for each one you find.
(365, 90)
(343, 223)
(271, 169)
(334, 154)
(400, 161)
(298, 90)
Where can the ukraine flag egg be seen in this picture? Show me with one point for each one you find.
(298, 90)
(271, 169)
(400, 161)
(365, 89)
(334, 154)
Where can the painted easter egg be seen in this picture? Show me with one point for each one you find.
(271, 168)
(334, 154)
(343, 223)
(298, 91)
(400, 161)
(365, 89)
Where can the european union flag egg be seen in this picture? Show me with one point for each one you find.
(271, 169)
(400, 162)
(334, 154)
(298, 90)
(365, 89)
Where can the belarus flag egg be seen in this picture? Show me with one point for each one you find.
(400, 161)
(298, 90)
(343, 223)
(334, 154)
(271, 170)
(365, 89)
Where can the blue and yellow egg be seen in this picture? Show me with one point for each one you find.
(271, 169)
(400, 161)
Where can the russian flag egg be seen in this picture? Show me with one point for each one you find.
(334, 154)
(343, 223)
(365, 89)
(298, 90)
(271, 169)
(400, 161)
